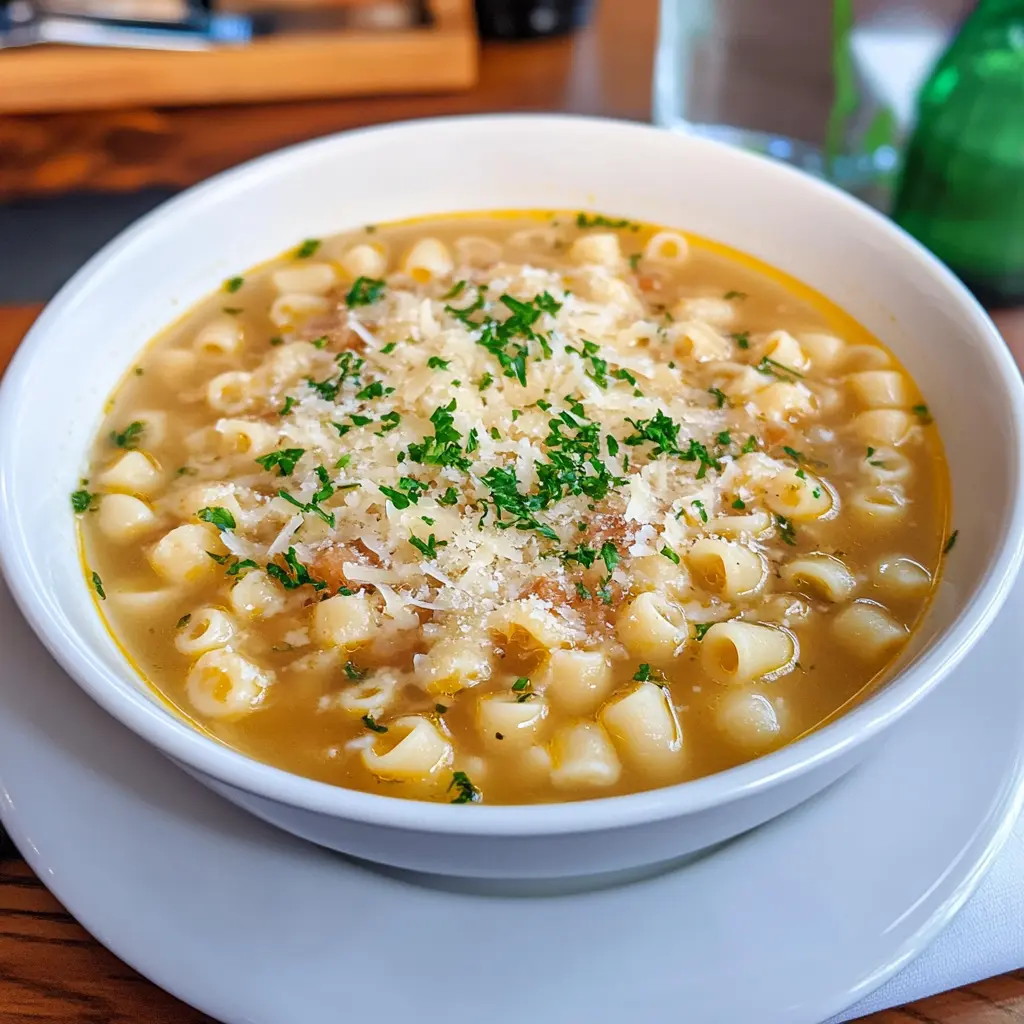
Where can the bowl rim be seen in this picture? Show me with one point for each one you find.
(183, 743)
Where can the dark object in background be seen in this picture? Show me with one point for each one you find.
(962, 188)
(6, 846)
(530, 19)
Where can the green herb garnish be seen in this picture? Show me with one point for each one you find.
(129, 437)
(284, 460)
(786, 531)
(365, 291)
(82, 501)
(217, 516)
(428, 548)
(467, 792)
(293, 573)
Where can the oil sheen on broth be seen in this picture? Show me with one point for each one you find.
(513, 507)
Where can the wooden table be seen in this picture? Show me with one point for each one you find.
(51, 970)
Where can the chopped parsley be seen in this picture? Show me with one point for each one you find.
(634, 261)
(440, 708)
(450, 497)
(388, 421)
(742, 339)
(97, 585)
(464, 314)
(719, 396)
(733, 294)
(389, 348)
(319, 342)
(129, 437)
(232, 284)
(786, 531)
(610, 556)
(775, 369)
(444, 447)
(370, 724)
(701, 628)
(217, 516)
(750, 445)
(183, 621)
(365, 291)
(327, 389)
(284, 460)
(230, 310)
(507, 340)
(739, 504)
(585, 555)
(794, 454)
(293, 573)
(353, 673)
(583, 593)
(871, 451)
(82, 501)
(325, 491)
(505, 496)
(428, 548)
(949, 543)
(523, 689)
(307, 249)
(375, 389)
(670, 554)
(289, 404)
(922, 413)
(437, 363)
(240, 568)
(466, 792)
(646, 674)
(598, 220)
(598, 371)
(724, 437)
(485, 381)
(701, 510)
(660, 430)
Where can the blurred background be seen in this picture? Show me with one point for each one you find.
(107, 107)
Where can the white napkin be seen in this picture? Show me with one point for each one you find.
(986, 938)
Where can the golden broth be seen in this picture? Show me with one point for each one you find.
(682, 509)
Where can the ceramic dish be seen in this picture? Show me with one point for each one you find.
(75, 354)
(192, 892)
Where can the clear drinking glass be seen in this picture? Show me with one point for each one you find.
(827, 85)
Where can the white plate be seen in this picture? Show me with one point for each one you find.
(790, 923)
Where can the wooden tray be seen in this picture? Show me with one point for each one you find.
(437, 57)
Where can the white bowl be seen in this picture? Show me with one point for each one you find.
(54, 391)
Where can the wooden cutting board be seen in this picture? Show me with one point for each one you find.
(440, 56)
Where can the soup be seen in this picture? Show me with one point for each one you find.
(514, 508)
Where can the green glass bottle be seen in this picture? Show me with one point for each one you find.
(961, 190)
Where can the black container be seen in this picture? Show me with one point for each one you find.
(530, 19)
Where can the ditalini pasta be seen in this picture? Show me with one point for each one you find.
(513, 508)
